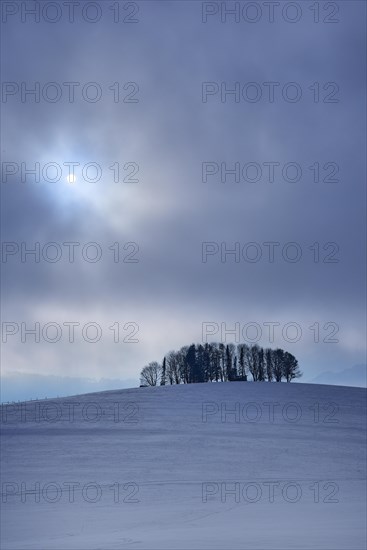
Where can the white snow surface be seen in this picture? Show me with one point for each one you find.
(190, 474)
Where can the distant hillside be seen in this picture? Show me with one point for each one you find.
(354, 376)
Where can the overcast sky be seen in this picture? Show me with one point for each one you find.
(174, 135)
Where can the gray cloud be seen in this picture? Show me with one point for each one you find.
(170, 212)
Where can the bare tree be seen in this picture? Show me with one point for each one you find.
(242, 350)
(269, 364)
(278, 361)
(290, 367)
(253, 359)
(183, 366)
(215, 360)
(171, 366)
(150, 374)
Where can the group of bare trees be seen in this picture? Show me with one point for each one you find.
(221, 363)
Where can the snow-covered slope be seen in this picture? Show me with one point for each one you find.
(174, 468)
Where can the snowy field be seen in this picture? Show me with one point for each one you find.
(206, 466)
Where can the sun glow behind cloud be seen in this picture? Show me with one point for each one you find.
(170, 211)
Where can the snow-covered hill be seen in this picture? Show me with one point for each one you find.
(214, 466)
